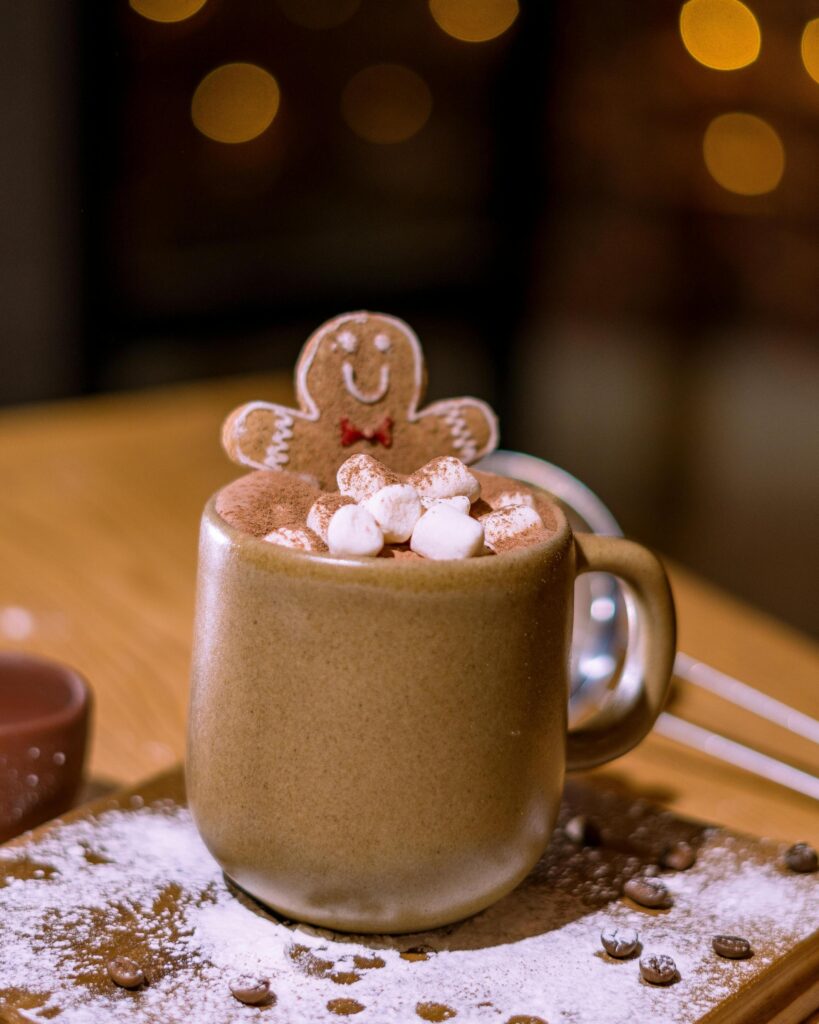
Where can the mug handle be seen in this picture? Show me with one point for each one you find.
(642, 684)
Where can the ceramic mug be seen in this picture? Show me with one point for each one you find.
(380, 745)
(44, 722)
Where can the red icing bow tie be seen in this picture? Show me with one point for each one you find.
(382, 434)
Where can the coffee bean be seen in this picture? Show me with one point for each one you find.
(250, 989)
(345, 977)
(802, 858)
(366, 963)
(658, 968)
(345, 1007)
(417, 954)
(648, 892)
(732, 947)
(583, 831)
(619, 942)
(435, 1012)
(126, 972)
(678, 857)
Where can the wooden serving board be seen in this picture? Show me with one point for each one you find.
(127, 875)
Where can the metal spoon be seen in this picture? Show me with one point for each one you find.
(599, 640)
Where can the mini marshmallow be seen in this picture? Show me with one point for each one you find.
(322, 511)
(298, 537)
(354, 532)
(512, 498)
(445, 477)
(362, 475)
(503, 525)
(443, 533)
(396, 508)
(459, 502)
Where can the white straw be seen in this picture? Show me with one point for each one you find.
(745, 696)
(690, 735)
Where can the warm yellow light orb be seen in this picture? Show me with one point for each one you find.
(235, 102)
(810, 49)
(167, 11)
(744, 154)
(319, 13)
(386, 103)
(474, 21)
(721, 34)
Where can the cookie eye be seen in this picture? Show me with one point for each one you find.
(382, 343)
(348, 341)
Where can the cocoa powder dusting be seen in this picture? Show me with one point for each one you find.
(323, 510)
(264, 500)
(493, 487)
(534, 535)
(533, 957)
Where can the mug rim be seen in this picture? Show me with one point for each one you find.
(393, 568)
(71, 683)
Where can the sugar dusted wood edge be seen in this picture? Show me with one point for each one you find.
(168, 785)
(783, 993)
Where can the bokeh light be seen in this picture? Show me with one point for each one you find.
(319, 13)
(167, 11)
(386, 103)
(474, 21)
(235, 102)
(744, 154)
(810, 49)
(721, 34)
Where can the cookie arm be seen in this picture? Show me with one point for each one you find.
(258, 434)
(471, 423)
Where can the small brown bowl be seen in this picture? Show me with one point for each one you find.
(44, 713)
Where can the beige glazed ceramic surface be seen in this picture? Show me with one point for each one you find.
(379, 745)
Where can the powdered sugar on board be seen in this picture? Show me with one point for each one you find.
(138, 881)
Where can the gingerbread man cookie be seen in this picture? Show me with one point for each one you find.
(359, 381)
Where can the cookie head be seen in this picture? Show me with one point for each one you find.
(359, 382)
(362, 362)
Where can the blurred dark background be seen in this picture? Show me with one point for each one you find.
(602, 217)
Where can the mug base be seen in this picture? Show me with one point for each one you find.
(346, 924)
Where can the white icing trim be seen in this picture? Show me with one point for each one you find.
(353, 389)
(348, 341)
(308, 354)
(451, 411)
(278, 450)
(463, 440)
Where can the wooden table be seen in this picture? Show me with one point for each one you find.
(98, 525)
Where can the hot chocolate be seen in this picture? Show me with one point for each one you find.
(444, 510)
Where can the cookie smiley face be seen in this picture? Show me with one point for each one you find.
(359, 381)
(362, 360)
(349, 343)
